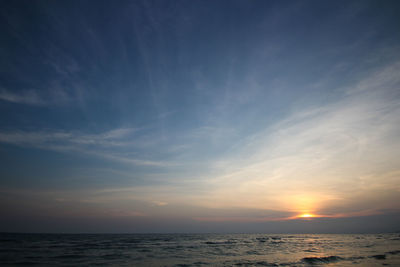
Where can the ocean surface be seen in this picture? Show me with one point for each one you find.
(199, 249)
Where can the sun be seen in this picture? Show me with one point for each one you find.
(306, 215)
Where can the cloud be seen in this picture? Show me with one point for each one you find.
(55, 95)
(29, 97)
(316, 159)
(319, 155)
(108, 145)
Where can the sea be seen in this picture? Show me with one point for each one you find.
(200, 249)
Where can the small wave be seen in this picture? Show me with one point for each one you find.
(132, 241)
(262, 239)
(263, 263)
(112, 256)
(318, 260)
(88, 245)
(55, 246)
(25, 263)
(201, 263)
(257, 263)
(379, 257)
(394, 252)
(227, 242)
(276, 238)
(70, 256)
(145, 250)
(252, 252)
(310, 250)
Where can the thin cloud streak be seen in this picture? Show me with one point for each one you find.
(105, 145)
(29, 97)
(53, 96)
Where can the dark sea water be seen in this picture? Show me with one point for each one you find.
(199, 250)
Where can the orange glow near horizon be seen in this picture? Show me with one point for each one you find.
(306, 215)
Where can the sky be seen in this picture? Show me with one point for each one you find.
(199, 116)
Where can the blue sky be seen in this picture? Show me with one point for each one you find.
(208, 115)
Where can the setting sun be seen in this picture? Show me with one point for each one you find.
(306, 215)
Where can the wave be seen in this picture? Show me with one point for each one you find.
(319, 260)
(311, 250)
(252, 263)
(379, 257)
(70, 256)
(228, 242)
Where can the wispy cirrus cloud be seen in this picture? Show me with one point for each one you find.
(108, 145)
(316, 159)
(52, 96)
(30, 97)
(320, 156)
